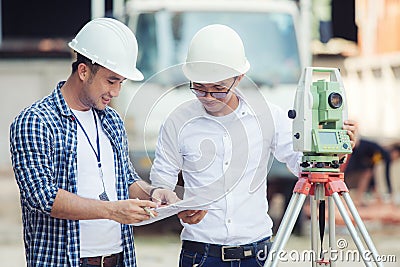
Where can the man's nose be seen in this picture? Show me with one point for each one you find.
(209, 96)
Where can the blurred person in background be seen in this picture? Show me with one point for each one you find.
(390, 191)
(79, 191)
(360, 169)
(395, 172)
(223, 144)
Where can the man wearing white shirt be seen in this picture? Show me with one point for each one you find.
(223, 143)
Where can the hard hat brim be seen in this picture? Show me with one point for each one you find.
(134, 75)
(211, 72)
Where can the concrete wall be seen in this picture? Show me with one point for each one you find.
(24, 81)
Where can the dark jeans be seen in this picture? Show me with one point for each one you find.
(189, 259)
(193, 259)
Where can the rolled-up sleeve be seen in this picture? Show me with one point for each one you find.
(31, 150)
(132, 174)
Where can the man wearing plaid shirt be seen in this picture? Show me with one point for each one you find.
(79, 191)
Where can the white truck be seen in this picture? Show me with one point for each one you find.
(276, 38)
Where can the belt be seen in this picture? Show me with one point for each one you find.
(229, 253)
(103, 261)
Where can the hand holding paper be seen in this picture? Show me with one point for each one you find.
(166, 211)
(192, 216)
(162, 195)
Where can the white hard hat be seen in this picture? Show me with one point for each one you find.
(111, 44)
(215, 53)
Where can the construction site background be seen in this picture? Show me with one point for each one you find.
(370, 68)
(371, 74)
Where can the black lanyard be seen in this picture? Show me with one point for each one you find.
(102, 196)
(90, 143)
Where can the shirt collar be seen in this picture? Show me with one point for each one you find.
(245, 108)
(60, 102)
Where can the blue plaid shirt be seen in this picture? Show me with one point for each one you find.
(43, 144)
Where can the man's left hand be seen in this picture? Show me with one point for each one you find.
(352, 130)
(192, 216)
(163, 196)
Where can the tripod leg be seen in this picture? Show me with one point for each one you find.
(351, 228)
(314, 228)
(285, 229)
(332, 230)
(361, 227)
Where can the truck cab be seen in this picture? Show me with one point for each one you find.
(275, 44)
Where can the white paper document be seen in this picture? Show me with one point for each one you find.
(167, 211)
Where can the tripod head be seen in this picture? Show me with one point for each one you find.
(320, 109)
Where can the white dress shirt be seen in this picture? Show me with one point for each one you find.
(224, 162)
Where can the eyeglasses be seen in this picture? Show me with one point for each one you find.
(202, 93)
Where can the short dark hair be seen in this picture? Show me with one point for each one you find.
(94, 67)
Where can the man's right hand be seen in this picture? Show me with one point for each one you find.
(73, 207)
(131, 210)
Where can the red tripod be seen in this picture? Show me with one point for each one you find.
(322, 185)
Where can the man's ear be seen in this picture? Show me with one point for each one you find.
(83, 71)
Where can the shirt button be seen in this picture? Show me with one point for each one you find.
(229, 221)
(226, 163)
(243, 112)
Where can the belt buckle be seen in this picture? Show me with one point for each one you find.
(223, 253)
(103, 258)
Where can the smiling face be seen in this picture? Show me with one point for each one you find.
(207, 94)
(99, 87)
